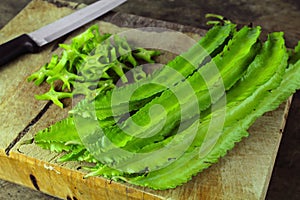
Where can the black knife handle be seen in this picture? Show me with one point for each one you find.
(14, 48)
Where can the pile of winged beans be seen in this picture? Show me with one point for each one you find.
(256, 77)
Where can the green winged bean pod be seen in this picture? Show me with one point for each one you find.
(264, 74)
(239, 57)
(184, 65)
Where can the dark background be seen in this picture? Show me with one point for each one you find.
(272, 15)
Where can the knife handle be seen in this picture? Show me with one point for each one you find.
(16, 47)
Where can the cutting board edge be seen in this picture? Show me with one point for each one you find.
(55, 180)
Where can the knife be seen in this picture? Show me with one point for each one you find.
(34, 41)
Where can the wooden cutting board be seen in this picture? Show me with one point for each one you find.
(244, 173)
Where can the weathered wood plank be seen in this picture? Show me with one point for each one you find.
(17, 104)
(61, 181)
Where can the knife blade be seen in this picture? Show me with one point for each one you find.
(34, 41)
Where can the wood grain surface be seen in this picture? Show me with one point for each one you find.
(244, 173)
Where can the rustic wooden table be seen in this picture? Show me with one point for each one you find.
(243, 174)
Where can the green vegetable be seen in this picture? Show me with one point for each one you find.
(183, 66)
(59, 142)
(234, 61)
(204, 113)
(263, 75)
(87, 66)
